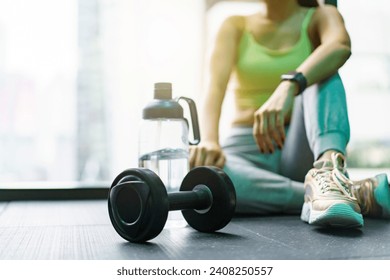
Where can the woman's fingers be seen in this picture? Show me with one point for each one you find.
(200, 156)
(271, 131)
(210, 157)
(277, 129)
(280, 128)
(262, 132)
(257, 134)
(269, 128)
(220, 162)
(193, 152)
(206, 156)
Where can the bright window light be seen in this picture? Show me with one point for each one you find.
(74, 76)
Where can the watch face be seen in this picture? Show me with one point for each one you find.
(297, 77)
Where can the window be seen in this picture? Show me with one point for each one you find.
(38, 81)
(74, 76)
(367, 80)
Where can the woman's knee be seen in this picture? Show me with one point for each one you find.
(333, 84)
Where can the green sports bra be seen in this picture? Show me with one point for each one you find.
(258, 68)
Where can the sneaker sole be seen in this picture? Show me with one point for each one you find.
(382, 194)
(337, 215)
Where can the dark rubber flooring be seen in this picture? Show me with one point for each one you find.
(82, 230)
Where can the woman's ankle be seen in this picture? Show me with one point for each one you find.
(327, 155)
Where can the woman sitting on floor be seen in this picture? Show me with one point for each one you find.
(290, 131)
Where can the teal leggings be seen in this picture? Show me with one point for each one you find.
(273, 183)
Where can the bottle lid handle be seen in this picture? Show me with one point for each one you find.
(194, 119)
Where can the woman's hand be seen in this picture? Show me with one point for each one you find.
(207, 154)
(270, 119)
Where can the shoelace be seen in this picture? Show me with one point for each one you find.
(332, 179)
(343, 182)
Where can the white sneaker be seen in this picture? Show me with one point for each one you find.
(329, 200)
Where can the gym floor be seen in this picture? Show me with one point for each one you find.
(81, 229)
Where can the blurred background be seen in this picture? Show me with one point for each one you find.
(75, 75)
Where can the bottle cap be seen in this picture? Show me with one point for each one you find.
(162, 91)
(163, 106)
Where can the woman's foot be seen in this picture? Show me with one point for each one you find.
(373, 195)
(329, 200)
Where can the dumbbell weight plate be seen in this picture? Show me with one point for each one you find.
(224, 199)
(138, 204)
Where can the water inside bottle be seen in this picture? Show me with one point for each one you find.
(171, 165)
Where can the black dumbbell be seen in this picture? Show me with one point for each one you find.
(138, 202)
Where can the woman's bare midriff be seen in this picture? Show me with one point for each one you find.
(245, 117)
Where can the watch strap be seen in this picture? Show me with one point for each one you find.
(297, 77)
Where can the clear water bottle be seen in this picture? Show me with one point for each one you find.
(164, 136)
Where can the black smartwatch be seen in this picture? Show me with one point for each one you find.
(296, 77)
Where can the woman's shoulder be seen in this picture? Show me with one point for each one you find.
(327, 20)
(326, 11)
(233, 26)
(235, 22)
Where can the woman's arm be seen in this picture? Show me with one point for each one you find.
(334, 45)
(222, 61)
(333, 48)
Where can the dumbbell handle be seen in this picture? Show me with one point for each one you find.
(199, 198)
